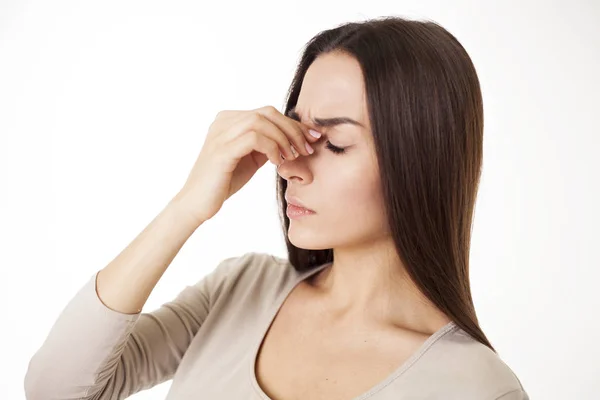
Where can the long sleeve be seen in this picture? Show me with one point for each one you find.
(94, 352)
(208, 338)
(518, 394)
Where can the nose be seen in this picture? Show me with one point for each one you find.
(297, 169)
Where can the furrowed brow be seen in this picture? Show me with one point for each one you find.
(325, 122)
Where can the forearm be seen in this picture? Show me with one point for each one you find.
(126, 282)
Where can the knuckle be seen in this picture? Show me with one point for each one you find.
(270, 110)
(222, 114)
(253, 136)
(255, 118)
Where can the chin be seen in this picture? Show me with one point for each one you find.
(305, 238)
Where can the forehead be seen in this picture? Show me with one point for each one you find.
(333, 86)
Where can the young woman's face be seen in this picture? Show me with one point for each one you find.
(343, 188)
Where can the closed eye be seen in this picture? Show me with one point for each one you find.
(326, 122)
(335, 149)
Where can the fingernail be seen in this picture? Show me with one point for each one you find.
(309, 148)
(314, 133)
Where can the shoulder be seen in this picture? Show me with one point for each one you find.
(471, 369)
(248, 273)
(255, 267)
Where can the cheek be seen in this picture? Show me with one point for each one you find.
(355, 191)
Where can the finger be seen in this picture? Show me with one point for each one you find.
(256, 141)
(224, 120)
(228, 114)
(297, 132)
(257, 122)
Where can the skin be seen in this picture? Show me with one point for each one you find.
(367, 284)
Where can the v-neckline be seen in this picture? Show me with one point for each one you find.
(374, 389)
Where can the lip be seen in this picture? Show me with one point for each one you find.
(296, 202)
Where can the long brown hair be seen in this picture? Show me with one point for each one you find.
(426, 113)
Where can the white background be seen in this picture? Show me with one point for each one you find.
(104, 107)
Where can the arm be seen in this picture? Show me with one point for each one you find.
(517, 394)
(125, 284)
(100, 342)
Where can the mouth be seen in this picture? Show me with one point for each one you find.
(293, 200)
(296, 209)
(295, 212)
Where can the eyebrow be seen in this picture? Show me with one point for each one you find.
(325, 122)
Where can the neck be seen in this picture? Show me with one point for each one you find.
(371, 285)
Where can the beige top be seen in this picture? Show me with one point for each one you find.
(206, 340)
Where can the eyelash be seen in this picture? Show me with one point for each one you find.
(335, 149)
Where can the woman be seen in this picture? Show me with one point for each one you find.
(374, 299)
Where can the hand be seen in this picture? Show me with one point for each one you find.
(238, 143)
